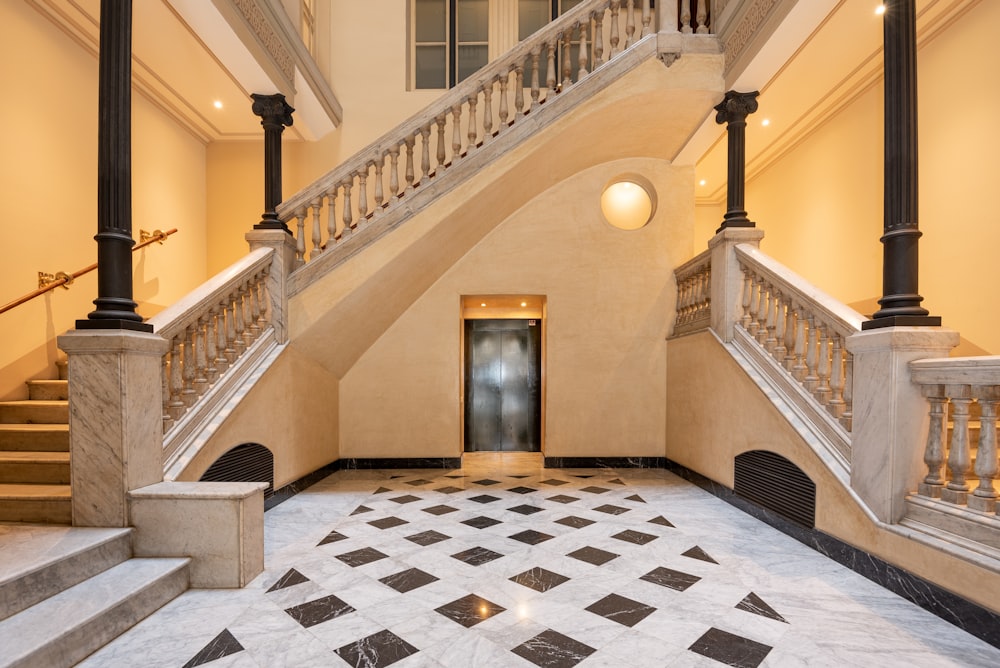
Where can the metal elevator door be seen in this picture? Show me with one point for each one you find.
(502, 385)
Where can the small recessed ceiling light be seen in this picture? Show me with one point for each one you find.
(217, 104)
(483, 304)
(523, 304)
(765, 122)
(880, 10)
(702, 182)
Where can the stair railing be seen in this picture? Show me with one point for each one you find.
(694, 295)
(465, 119)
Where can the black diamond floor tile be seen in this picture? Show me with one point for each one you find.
(486, 481)
(591, 475)
(532, 537)
(593, 555)
(620, 609)
(522, 490)
(381, 490)
(456, 477)
(611, 510)
(662, 521)
(289, 579)
(563, 498)
(637, 537)
(555, 482)
(361, 509)
(667, 577)
(332, 537)
(408, 580)
(484, 498)
(553, 650)
(526, 509)
(407, 498)
(365, 555)
(376, 651)
(700, 554)
(477, 556)
(439, 510)
(482, 522)
(318, 611)
(595, 490)
(426, 538)
(450, 489)
(730, 649)
(756, 605)
(636, 498)
(221, 645)
(539, 579)
(519, 476)
(470, 610)
(616, 481)
(388, 522)
(418, 482)
(575, 522)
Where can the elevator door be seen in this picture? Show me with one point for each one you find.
(502, 385)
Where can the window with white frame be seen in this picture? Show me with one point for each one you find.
(450, 41)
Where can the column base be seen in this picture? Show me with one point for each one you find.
(902, 321)
(131, 325)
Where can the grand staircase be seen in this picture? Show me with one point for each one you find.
(34, 454)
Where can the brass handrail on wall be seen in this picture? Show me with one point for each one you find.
(49, 282)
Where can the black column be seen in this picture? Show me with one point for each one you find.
(733, 110)
(115, 307)
(274, 114)
(900, 300)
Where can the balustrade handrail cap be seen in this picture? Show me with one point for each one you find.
(982, 370)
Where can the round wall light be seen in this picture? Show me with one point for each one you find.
(628, 201)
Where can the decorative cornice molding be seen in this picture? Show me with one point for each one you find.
(266, 35)
(737, 41)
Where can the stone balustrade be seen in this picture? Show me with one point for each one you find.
(694, 295)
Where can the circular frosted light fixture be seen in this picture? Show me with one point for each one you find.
(628, 201)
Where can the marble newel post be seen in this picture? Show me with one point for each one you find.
(275, 114)
(727, 278)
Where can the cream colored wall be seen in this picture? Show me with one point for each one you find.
(292, 412)
(609, 296)
(821, 204)
(715, 412)
(50, 192)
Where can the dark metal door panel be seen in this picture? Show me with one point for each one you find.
(484, 406)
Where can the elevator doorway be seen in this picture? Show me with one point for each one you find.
(503, 399)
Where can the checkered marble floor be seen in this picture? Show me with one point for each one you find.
(504, 563)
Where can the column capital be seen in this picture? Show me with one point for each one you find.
(735, 107)
(272, 109)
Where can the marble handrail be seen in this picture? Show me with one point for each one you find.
(694, 294)
(210, 329)
(958, 388)
(801, 328)
(472, 114)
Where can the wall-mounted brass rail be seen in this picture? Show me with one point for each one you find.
(48, 282)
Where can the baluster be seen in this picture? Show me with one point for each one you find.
(253, 302)
(168, 421)
(456, 134)
(567, 67)
(379, 194)
(200, 358)
(473, 123)
(488, 111)
(788, 342)
(763, 312)
(393, 171)
(933, 482)
(598, 18)
(706, 293)
(211, 344)
(583, 55)
(847, 419)
(702, 18)
(176, 406)
(248, 319)
(837, 406)
(317, 236)
(503, 112)
(754, 307)
(331, 216)
(771, 323)
(630, 24)
(811, 380)
(614, 38)
(984, 497)
(550, 76)
(747, 295)
(686, 17)
(300, 238)
(410, 142)
(362, 195)
(822, 392)
(188, 394)
(348, 215)
(239, 325)
(425, 152)
(647, 19)
(959, 456)
(222, 346)
(519, 90)
(684, 301)
(440, 120)
(536, 55)
(799, 368)
(779, 329)
(263, 312)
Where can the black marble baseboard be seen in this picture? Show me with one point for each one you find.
(965, 614)
(605, 462)
(291, 489)
(402, 463)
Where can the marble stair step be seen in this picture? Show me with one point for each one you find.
(34, 437)
(67, 627)
(40, 561)
(35, 412)
(48, 468)
(47, 390)
(35, 503)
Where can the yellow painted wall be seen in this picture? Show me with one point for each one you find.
(821, 203)
(610, 296)
(49, 177)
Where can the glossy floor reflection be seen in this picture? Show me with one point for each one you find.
(503, 563)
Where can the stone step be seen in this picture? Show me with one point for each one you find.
(26, 467)
(34, 412)
(35, 503)
(47, 390)
(65, 628)
(34, 437)
(62, 366)
(40, 561)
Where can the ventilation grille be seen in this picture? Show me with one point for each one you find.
(775, 483)
(249, 462)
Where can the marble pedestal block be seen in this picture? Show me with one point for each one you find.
(282, 264)
(890, 414)
(219, 525)
(727, 278)
(115, 420)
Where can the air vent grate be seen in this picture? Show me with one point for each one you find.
(775, 483)
(250, 462)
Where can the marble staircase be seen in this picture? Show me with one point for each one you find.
(65, 592)
(34, 454)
